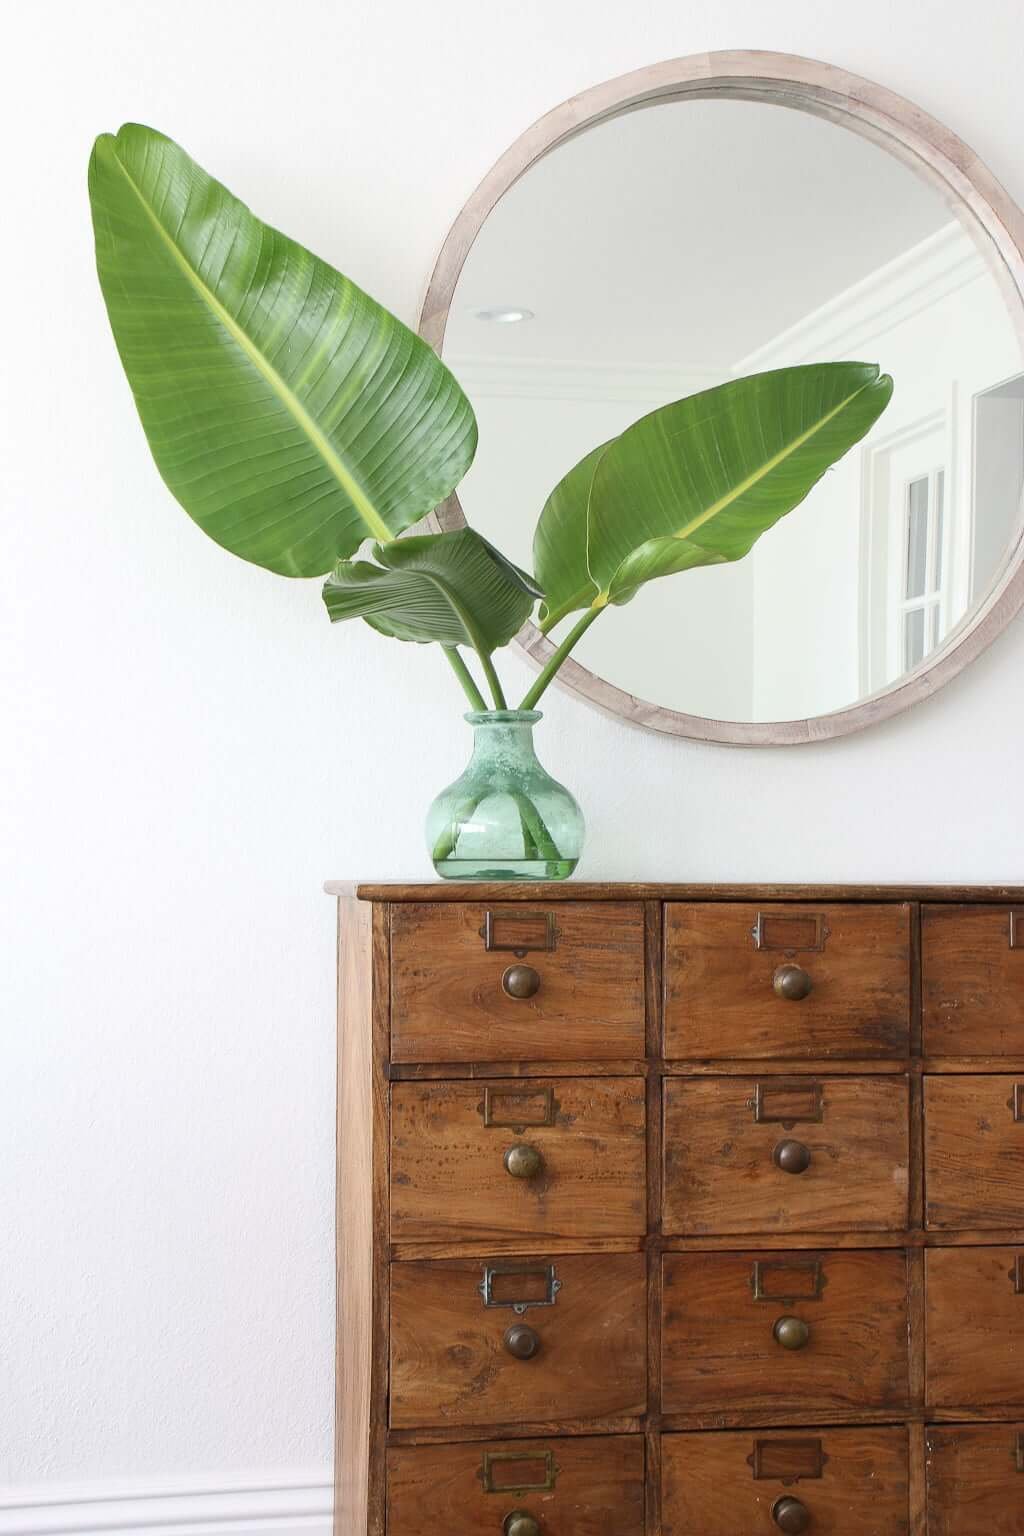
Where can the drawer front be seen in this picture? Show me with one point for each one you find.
(552, 1157)
(791, 981)
(784, 1332)
(516, 982)
(850, 1482)
(975, 1479)
(518, 1341)
(778, 1155)
(972, 980)
(974, 1327)
(974, 1151)
(577, 1487)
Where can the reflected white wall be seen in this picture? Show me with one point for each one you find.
(942, 351)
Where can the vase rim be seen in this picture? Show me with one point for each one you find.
(503, 716)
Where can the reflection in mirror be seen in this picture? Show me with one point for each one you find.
(676, 246)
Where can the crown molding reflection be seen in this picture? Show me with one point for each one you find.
(853, 320)
(894, 293)
(541, 378)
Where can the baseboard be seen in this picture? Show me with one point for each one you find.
(171, 1507)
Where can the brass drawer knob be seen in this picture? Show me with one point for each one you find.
(792, 982)
(521, 981)
(791, 1332)
(790, 1515)
(792, 1157)
(523, 1161)
(522, 1342)
(519, 1523)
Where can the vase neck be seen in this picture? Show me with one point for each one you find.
(503, 733)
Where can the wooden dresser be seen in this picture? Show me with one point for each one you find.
(680, 1209)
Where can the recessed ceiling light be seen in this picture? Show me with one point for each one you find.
(508, 314)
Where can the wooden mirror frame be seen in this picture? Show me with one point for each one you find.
(930, 149)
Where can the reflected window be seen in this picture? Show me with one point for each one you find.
(918, 615)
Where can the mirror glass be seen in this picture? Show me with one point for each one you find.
(681, 244)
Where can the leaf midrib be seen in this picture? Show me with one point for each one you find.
(376, 527)
(742, 487)
(770, 464)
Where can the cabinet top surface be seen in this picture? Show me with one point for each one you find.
(581, 890)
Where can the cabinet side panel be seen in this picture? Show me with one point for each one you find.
(361, 1218)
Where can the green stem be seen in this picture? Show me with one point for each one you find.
(465, 677)
(534, 824)
(446, 841)
(530, 849)
(549, 670)
(493, 681)
(476, 642)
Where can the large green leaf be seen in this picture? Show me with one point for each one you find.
(697, 482)
(291, 415)
(713, 472)
(452, 588)
(560, 543)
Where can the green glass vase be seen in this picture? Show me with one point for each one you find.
(504, 818)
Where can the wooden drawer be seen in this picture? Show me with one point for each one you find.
(975, 1479)
(852, 1482)
(784, 1333)
(972, 980)
(450, 997)
(725, 1138)
(974, 1327)
(572, 1487)
(974, 1151)
(736, 974)
(452, 1340)
(455, 1149)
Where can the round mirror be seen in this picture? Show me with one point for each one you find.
(721, 216)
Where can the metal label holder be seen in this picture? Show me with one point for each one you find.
(520, 1305)
(537, 932)
(760, 1280)
(787, 1461)
(779, 931)
(503, 1106)
(541, 1484)
(812, 1112)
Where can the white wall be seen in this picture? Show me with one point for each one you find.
(190, 750)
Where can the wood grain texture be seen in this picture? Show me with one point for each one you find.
(935, 154)
(719, 1351)
(533, 892)
(724, 1066)
(448, 1176)
(974, 1322)
(361, 1221)
(511, 1247)
(449, 1364)
(423, 1071)
(708, 1483)
(718, 980)
(465, 1490)
(720, 1176)
(974, 1151)
(975, 1480)
(448, 999)
(720, 1373)
(973, 1002)
(516, 1429)
(918, 1508)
